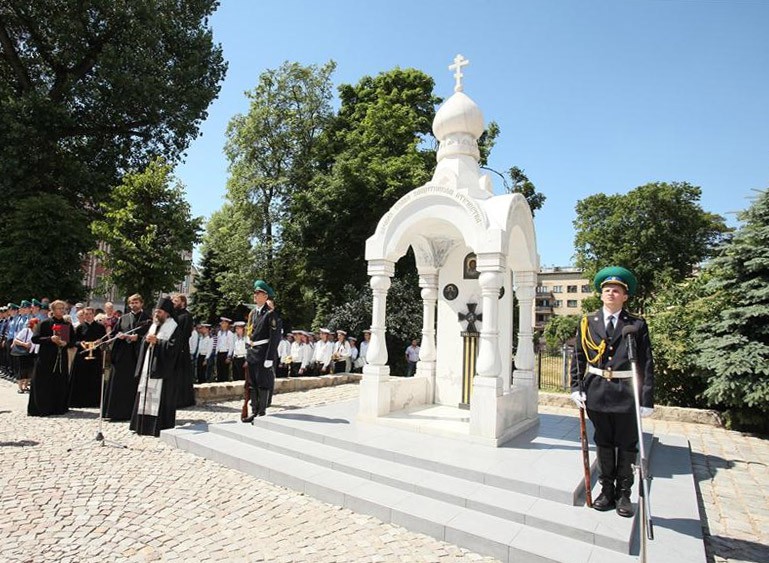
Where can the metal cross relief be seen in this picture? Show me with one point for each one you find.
(459, 62)
(471, 317)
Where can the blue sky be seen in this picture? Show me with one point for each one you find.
(591, 96)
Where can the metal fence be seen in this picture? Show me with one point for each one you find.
(553, 369)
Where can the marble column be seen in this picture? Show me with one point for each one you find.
(524, 376)
(427, 352)
(375, 388)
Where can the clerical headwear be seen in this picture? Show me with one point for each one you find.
(261, 285)
(618, 275)
(165, 304)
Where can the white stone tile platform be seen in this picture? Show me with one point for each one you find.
(519, 502)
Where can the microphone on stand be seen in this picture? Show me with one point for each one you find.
(629, 332)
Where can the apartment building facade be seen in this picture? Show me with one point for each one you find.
(560, 291)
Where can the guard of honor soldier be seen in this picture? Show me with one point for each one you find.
(601, 358)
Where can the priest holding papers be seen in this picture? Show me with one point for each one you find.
(157, 371)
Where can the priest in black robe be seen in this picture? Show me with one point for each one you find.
(156, 370)
(185, 392)
(121, 389)
(87, 368)
(48, 392)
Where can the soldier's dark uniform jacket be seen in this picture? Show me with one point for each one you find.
(263, 327)
(613, 395)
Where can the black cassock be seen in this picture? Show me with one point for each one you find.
(48, 391)
(156, 373)
(85, 379)
(185, 391)
(121, 389)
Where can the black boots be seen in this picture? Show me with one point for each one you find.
(606, 476)
(625, 483)
(264, 398)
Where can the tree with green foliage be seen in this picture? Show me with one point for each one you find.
(207, 302)
(35, 271)
(676, 316)
(271, 149)
(659, 231)
(560, 329)
(149, 231)
(89, 90)
(735, 346)
(229, 265)
(372, 155)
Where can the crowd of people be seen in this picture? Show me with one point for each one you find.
(68, 355)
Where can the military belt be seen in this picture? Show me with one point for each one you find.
(259, 342)
(610, 374)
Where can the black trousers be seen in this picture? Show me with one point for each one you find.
(239, 366)
(222, 367)
(614, 430)
(201, 369)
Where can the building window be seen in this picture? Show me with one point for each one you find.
(557, 289)
(571, 289)
(571, 303)
(587, 289)
(542, 289)
(557, 303)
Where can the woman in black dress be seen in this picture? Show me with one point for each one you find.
(48, 393)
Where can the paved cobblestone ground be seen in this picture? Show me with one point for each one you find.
(151, 502)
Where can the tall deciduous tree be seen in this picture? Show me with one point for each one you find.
(735, 346)
(91, 89)
(374, 154)
(271, 149)
(229, 264)
(659, 231)
(30, 268)
(149, 230)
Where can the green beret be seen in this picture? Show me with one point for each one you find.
(618, 275)
(25, 303)
(261, 285)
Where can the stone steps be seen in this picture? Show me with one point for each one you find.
(522, 501)
(512, 536)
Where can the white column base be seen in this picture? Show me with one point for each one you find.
(427, 370)
(526, 381)
(374, 396)
(497, 417)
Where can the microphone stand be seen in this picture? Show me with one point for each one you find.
(642, 468)
(99, 438)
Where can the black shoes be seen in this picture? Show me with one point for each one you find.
(624, 506)
(605, 500)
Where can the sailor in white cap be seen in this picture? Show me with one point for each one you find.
(205, 352)
(341, 356)
(238, 354)
(363, 350)
(225, 343)
(324, 349)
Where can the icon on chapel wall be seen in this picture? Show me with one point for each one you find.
(470, 264)
(450, 292)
